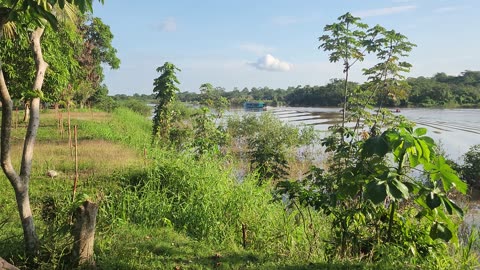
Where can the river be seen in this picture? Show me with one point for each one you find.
(455, 130)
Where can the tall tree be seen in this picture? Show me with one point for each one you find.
(165, 89)
(30, 15)
(97, 51)
(345, 41)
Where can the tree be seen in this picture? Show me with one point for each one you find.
(212, 98)
(165, 89)
(471, 166)
(29, 15)
(59, 49)
(346, 44)
(369, 181)
(97, 49)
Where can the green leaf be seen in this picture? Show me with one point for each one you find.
(450, 178)
(433, 200)
(375, 145)
(440, 231)
(376, 192)
(451, 206)
(425, 149)
(420, 132)
(401, 190)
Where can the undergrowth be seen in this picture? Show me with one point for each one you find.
(169, 209)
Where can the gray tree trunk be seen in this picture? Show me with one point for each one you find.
(84, 235)
(4, 265)
(20, 182)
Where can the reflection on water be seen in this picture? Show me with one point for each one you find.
(454, 129)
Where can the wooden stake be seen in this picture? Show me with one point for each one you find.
(16, 117)
(69, 130)
(244, 235)
(61, 124)
(76, 164)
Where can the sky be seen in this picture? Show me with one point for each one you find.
(274, 43)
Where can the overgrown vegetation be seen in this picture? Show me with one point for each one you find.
(215, 192)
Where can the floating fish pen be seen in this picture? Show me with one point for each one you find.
(254, 105)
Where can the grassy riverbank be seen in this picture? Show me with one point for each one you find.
(165, 209)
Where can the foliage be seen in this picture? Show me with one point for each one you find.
(371, 188)
(203, 193)
(136, 106)
(207, 136)
(212, 98)
(440, 90)
(96, 50)
(470, 169)
(165, 89)
(269, 143)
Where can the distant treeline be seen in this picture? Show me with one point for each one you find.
(440, 90)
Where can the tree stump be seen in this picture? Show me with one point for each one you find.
(84, 235)
(4, 265)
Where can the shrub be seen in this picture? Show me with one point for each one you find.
(471, 166)
(136, 106)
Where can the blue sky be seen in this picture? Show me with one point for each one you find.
(274, 42)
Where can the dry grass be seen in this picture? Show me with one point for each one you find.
(92, 115)
(96, 158)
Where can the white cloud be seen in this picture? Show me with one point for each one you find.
(383, 11)
(270, 63)
(255, 48)
(168, 25)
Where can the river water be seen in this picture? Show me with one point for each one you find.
(455, 130)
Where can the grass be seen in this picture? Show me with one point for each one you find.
(174, 211)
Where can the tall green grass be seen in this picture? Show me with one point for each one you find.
(202, 199)
(124, 126)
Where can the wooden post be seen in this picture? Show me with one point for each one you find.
(84, 235)
(244, 235)
(16, 117)
(60, 115)
(69, 130)
(76, 164)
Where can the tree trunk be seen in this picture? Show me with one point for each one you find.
(4, 265)
(29, 234)
(27, 112)
(20, 182)
(84, 235)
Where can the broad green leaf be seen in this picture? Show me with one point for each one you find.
(450, 178)
(433, 200)
(440, 231)
(429, 141)
(420, 132)
(376, 192)
(375, 145)
(401, 187)
(451, 206)
(425, 149)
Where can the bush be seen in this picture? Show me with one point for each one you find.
(269, 143)
(106, 104)
(471, 166)
(137, 106)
